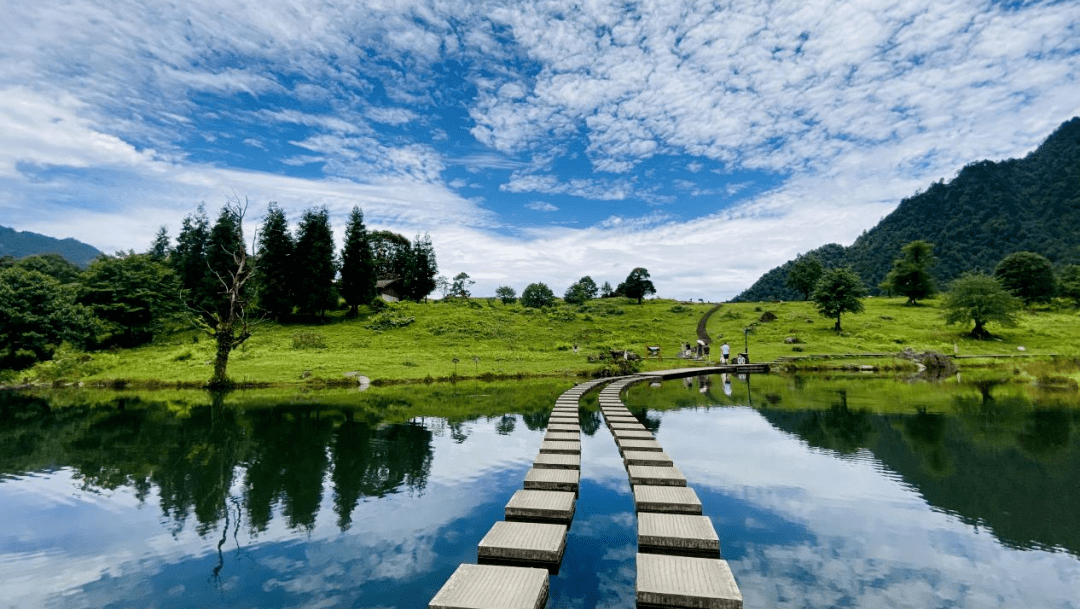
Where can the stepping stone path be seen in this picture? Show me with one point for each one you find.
(678, 560)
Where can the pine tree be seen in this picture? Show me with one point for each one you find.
(910, 274)
(422, 268)
(189, 257)
(274, 274)
(315, 265)
(357, 264)
(160, 248)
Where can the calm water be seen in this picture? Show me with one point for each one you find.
(825, 493)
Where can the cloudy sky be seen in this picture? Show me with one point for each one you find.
(535, 141)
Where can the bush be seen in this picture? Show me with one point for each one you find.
(388, 321)
(537, 295)
(308, 340)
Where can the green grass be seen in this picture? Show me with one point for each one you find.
(419, 341)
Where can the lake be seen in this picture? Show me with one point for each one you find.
(825, 492)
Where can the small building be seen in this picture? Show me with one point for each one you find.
(387, 289)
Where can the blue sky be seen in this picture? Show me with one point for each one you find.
(535, 141)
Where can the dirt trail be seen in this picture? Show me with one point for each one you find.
(702, 331)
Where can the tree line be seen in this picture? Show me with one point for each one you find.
(207, 277)
(637, 285)
(1019, 279)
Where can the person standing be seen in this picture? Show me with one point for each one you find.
(725, 351)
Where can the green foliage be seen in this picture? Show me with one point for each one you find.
(804, 274)
(388, 320)
(358, 277)
(506, 294)
(160, 248)
(987, 212)
(274, 267)
(838, 291)
(37, 314)
(53, 265)
(136, 295)
(910, 275)
(1069, 285)
(582, 290)
(980, 298)
(315, 266)
(189, 258)
(459, 288)
(537, 295)
(1028, 276)
(420, 274)
(606, 291)
(637, 285)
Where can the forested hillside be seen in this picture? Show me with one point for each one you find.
(988, 211)
(20, 244)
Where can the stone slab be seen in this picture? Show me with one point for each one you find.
(570, 427)
(553, 435)
(561, 448)
(523, 543)
(493, 587)
(655, 476)
(541, 506)
(686, 582)
(666, 499)
(546, 479)
(632, 434)
(683, 534)
(621, 418)
(627, 426)
(557, 461)
(646, 457)
(650, 445)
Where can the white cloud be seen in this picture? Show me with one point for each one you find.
(541, 206)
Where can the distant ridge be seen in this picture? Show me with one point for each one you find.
(988, 211)
(20, 244)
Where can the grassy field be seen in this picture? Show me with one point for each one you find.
(420, 341)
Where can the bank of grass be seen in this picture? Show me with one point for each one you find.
(490, 340)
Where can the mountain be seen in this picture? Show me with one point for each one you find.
(988, 211)
(20, 244)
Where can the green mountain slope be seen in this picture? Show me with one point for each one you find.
(20, 244)
(988, 211)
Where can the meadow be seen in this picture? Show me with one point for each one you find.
(486, 339)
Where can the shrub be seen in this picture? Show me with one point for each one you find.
(308, 340)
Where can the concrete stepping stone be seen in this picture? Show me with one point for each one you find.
(493, 587)
(632, 434)
(627, 426)
(561, 448)
(557, 461)
(562, 436)
(651, 445)
(541, 506)
(570, 427)
(655, 476)
(564, 418)
(646, 457)
(546, 479)
(666, 499)
(523, 543)
(686, 582)
(679, 534)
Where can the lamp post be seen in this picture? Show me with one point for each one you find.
(746, 344)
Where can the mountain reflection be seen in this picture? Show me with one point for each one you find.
(282, 456)
(998, 462)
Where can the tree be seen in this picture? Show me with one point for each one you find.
(53, 265)
(160, 248)
(1069, 285)
(315, 266)
(910, 274)
(606, 291)
(37, 313)
(273, 277)
(357, 264)
(980, 298)
(224, 312)
(1028, 276)
(506, 294)
(804, 275)
(189, 257)
(135, 295)
(537, 295)
(838, 291)
(391, 251)
(422, 269)
(581, 291)
(459, 288)
(637, 285)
